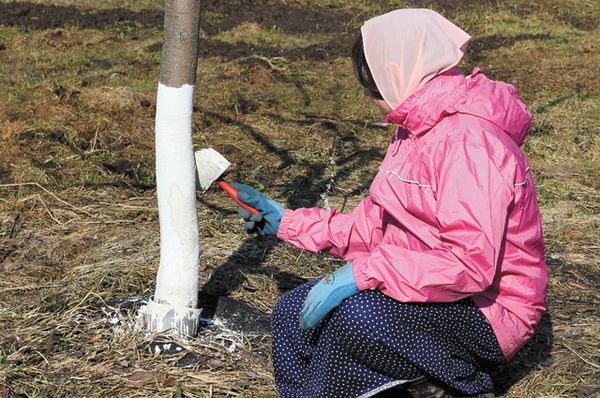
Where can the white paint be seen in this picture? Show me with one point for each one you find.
(161, 317)
(176, 296)
(232, 348)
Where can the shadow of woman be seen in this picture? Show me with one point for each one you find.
(304, 190)
(247, 259)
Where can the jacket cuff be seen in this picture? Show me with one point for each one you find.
(361, 278)
(283, 232)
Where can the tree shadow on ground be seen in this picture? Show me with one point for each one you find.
(247, 260)
(305, 190)
(232, 275)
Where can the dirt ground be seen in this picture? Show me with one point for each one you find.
(275, 93)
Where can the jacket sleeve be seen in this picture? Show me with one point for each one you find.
(473, 198)
(347, 236)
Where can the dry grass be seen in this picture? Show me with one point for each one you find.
(78, 221)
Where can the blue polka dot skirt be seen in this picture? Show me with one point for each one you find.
(371, 343)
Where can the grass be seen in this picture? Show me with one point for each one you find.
(78, 221)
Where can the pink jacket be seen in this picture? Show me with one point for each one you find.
(452, 212)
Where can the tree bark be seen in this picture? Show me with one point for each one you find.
(180, 42)
(175, 301)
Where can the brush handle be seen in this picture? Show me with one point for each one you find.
(231, 191)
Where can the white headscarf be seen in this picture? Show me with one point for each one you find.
(407, 48)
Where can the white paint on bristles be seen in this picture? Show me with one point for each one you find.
(176, 295)
(211, 165)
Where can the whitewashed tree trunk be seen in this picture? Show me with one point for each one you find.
(175, 301)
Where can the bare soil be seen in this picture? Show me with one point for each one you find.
(288, 18)
(37, 16)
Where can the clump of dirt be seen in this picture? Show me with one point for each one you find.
(130, 168)
(260, 73)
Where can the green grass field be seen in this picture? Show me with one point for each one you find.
(275, 93)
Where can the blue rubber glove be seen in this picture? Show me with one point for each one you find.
(267, 221)
(327, 294)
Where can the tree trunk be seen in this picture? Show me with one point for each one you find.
(175, 301)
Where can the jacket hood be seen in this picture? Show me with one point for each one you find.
(452, 92)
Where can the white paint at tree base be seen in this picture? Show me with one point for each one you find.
(176, 295)
(161, 317)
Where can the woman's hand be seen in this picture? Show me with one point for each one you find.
(267, 221)
(327, 294)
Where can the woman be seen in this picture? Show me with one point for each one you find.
(445, 275)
